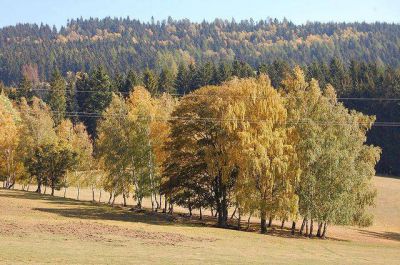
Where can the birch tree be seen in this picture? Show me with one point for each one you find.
(10, 131)
(264, 146)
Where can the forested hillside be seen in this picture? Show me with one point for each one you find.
(122, 44)
(76, 68)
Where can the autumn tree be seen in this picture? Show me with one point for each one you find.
(264, 150)
(114, 133)
(198, 168)
(52, 162)
(75, 138)
(37, 131)
(10, 137)
(159, 133)
(141, 112)
(335, 172)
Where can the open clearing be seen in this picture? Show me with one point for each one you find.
(40, 229)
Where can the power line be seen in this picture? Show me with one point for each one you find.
(211, 119)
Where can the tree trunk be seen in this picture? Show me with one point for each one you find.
(39, 188)
(171, 208)
(190, 210)
(248, 222)
(325, 230)
(201, 214)
(65, 191)
(93, 200)
(263, 216)
(12, 185)
(45, 188)
(234, 212)
(52, 191)
(283, 223)
(157, 202)
(100, 196)
(113, 201)
(302, 226)
(123, 196)
(160, 201)
(319, 229)
(221, 201)
(165, 204)
(224, 206)
(219, 214)
(293, 227)
(270, 221)
(311, 228)
(212, 211)
(77, 196)
(306, 228)
(239, 219)
(109, 200)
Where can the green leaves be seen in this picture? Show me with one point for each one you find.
(57, 97)
(336, 164)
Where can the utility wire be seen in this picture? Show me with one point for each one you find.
(211, 119)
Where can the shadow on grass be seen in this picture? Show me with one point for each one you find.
(388, 176)
(71, 208)
(383, 235)
(276, 231)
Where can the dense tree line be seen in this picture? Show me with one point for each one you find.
(122, 44)
(366, 87)
(280, 153)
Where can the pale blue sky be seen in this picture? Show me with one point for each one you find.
(56, 12)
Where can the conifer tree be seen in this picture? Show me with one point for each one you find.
(57, 97)
(182, 80)
(25, 89)
(166, 82)
(71, 98)
(97, 99)
(132, 80)
(224, 72)
(150, 81)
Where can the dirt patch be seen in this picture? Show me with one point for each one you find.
(93, 231)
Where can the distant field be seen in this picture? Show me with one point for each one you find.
(39, 229)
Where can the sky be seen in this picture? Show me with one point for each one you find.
(57, 12)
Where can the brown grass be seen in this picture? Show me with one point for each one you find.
(43, 229)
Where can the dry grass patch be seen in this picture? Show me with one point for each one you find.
(40, 229)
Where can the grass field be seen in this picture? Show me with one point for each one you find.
(40, 229)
